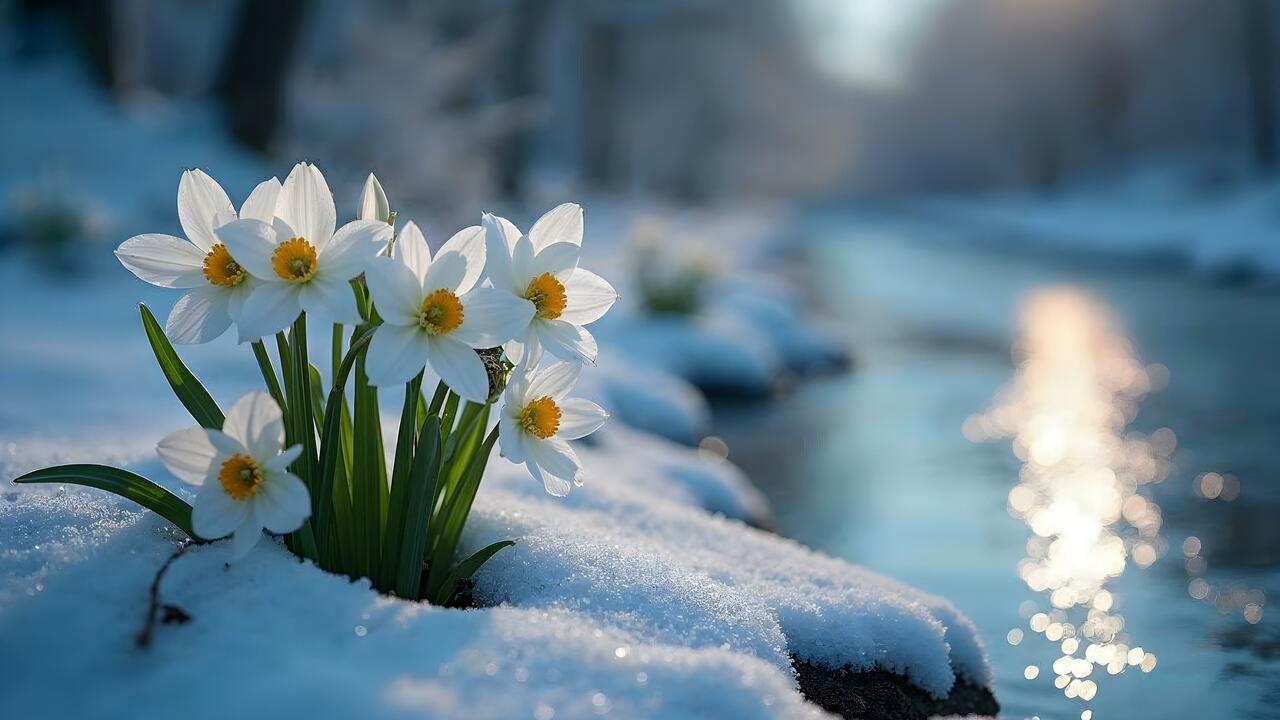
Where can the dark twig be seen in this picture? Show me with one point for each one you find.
(172, 613)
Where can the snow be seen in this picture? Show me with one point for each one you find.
(271, 636)
(1155, 211)
(645, 593)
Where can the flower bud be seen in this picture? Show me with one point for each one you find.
(373, 201)
(498, 368)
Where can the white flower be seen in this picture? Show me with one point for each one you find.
(218, 283)
(301, 262)
(242, 473)
(373, 201)
(541, 269)
(537, 419)
(433, 313)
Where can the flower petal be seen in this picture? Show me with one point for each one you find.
(199, 316)
(202, 207)
(245, 538)
(512, 440)
(589, 297)
(555, 457)
(282, 503)
(562, 223)
(522, 265)
(373, 201)
(460, 368)
(554, 382)
(412, 250)
(558, 259)
(356, 243)
(188, 454)
(500, 241)
(281, 462)
(567, 341)
(558, 487)
(261, 203)
(491, 317)
(447, 271)
(163, 260)
(470, 244)
(270, 307)
(396, 353)
(216, 514)
(251, 243)
(307, 205)
(330, 300)
(579, 418)
(257, 423)
(397, 294)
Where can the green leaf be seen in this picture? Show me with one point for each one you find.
(416, 498)
(405, 439)
(269, 373)
(190, 392)
(467, 568)
(122, 483)
(332, 477)
(452, 517)
(300, 429)
(368, 474)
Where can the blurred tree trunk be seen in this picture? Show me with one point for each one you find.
(517, 81)
(257, 57)
(1259, 57)
(600, 63)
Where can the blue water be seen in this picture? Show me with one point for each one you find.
(873, 466)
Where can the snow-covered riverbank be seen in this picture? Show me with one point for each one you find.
(645, 593)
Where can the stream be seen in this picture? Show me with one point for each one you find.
(1080, 453)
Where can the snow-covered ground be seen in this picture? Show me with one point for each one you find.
(643, 594)
(1157, 211)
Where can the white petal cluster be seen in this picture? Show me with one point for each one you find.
(242, 473)
(489, 286)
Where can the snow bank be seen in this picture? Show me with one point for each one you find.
(596, 552)
(271, 636)
(1148, 213)
(647, 398)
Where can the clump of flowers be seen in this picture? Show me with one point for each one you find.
(672, 273)
(307, 461)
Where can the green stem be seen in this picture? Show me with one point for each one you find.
(336, 351)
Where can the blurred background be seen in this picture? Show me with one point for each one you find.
(982, 291)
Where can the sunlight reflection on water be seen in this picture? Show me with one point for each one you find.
(1076, 390)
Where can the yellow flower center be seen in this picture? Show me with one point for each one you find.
(541, 418)
(221, 269)
(294, 260)
(441, 312)
(240, 476)
(547, 295)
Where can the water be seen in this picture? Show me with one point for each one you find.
(907, 465)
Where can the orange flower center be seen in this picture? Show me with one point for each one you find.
(547, 295)
(221, 269)
(541, 418)
(240, 476)
(294, 260)
(441, 312)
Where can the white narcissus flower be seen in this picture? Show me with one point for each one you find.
(541, 268)
(218, 284)
(301, 262)
(538, 418)
(245, 485)
(432, 313)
